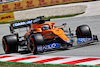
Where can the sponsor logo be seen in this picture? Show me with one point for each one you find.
(5, 7)
(83, 40)
(29, 4)
(6, 17)
(39, 48)
(52, 46)
(22, 23)
(18, 6)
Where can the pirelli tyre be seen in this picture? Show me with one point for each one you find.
(35, 40)
(10, 44)
(83, 31)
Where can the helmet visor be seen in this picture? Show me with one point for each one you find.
(46, 28)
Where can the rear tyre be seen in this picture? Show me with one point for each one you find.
(83, 31)
(10, 44)
(34, 41)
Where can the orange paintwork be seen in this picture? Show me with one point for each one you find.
(53, 31)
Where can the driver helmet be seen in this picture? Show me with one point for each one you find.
(45, 27)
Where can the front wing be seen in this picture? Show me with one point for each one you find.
(87, 40)
(58, 45)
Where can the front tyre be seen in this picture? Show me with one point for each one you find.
(83, 31)
(10, 44)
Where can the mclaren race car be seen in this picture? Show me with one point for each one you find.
(42, 36)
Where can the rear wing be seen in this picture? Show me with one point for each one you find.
(39, 20)
(19, 25)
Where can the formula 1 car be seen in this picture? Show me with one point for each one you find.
(41, 36)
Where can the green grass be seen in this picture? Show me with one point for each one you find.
(52, 17)
(12, 64)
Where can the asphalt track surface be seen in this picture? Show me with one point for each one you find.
(90, 50)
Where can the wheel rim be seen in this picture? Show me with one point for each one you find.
(4, 45)
(31, 44)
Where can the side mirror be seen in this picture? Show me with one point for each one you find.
(64, 24)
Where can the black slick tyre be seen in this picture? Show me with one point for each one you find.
(10, 44)
(35, 40)
(83, 31)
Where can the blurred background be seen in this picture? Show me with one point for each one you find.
(8, 1)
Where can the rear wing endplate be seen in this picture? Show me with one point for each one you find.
(19, 25)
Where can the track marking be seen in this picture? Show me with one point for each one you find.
(64, 60)
(25, 58)
(50, 59)
(97, 64)
(36, 59)
(70, 60)
(2, 57)
(80, 61)
(94, 62)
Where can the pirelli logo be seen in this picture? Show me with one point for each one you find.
(7, 17)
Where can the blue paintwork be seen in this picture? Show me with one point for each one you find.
(68, 41)
(22, 23)
(52, 46)
(39, 48)
(83, 40)
(47, 47)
